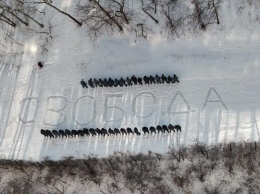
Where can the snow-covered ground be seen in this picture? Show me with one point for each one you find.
(217, 99)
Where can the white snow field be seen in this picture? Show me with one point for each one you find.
(217, 99)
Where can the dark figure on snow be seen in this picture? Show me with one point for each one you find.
(178, 128)
(175, 79)
(129, 82)
(96, 82)
(123, 131)
(104, 132)
(120, 83)
(110, 131)
(68, 133)
(159, 128)
(47, 133)
(146, 80)
(80, 133)
(123, 82)
(40, 65)
(74, 133)
(165, 128)
(116, 83)
(62, 133)
(170, 79)
(105, 83)
(43, 132)
(100, 83)
(136, 131)
(129, 130)
(140, 81)
(116, 130)
(152, 80)
(92, 131)
(85, 130)
(98, 131)
(171, 128)
(83, 83)
(145, 130)
(55, 133)
(90, 83)
(153, 130)
(164, 79)
(134, 79)
(110, 82)
(158, 79)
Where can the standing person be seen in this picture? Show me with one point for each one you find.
(175, 79)
(146, 80)
(123, 81)
(100, 82)
(134, 79)
(158, 79)
(105, 83)
(83, 83)
(110, 82)
(90, 83)
(170, 79)
(129, 82)
(152, 80)
(116, 83)
(164, 79)
(140, 81)
(40, 65)
(96, 82)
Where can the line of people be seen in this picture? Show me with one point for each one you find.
(129, 81)
(104, 132)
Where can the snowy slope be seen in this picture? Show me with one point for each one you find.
(217, 99)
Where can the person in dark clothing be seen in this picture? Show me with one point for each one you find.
(129, 82)
(105, 82)
(153, 130)
(100, 83)
(120, 83)
(136, 131)
(123, 81)
(158, 79)
(178, 128)
(116, 130)
(110, 131)
(134, 79)
(83, 83)
(116, 83)
(159, 129)
(110, 82)
(152, 80)
(170, 79)
(96, 82)
(40, 65)
(171, 128)
(175, 79)
(123, 131)
(90, 83)
(140, 81)
(164, 79)
(145, 130)
(129, 130)
(146, 80)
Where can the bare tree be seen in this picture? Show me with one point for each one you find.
(146, 7)
(17, 12)
(105, 16)
(207, 12)
(49, 3)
